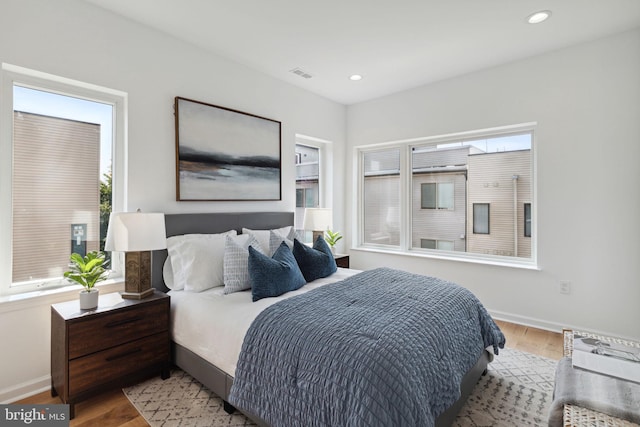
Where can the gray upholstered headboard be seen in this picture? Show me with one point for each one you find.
(209, 223)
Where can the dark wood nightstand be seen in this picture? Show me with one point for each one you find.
(342, 260)
(117, 344)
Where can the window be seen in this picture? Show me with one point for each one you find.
(308, 182)
(466, 191)
(481, 218)
(437, 195)
(59, 190)
(527, 220)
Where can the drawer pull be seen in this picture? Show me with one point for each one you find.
(123, 322)
(121, 355)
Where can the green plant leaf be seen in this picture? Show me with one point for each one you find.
(332, 237)
(87, 270)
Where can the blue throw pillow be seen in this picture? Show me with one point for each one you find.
(272, 277)
(314, 262)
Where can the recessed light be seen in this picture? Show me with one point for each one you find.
(538, 17)
(355, 77)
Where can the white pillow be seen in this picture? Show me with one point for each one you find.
(275, 239)
(236, 262)
(197, 260)
(167, 275)
(263, 235)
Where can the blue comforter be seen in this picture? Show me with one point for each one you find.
(381, 348)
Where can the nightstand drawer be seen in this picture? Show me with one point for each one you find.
(101, 332)
(342, 261)
(100, 368)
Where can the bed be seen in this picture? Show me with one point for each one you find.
(195, 359)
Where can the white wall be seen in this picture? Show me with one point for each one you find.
(586, 100)
(76, 40)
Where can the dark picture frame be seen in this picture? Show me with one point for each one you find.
(226, 155)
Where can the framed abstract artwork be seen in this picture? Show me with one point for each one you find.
(224, 154)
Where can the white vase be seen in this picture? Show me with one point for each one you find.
(89, 299)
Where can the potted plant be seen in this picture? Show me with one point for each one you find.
(332, 237)
(87, 271)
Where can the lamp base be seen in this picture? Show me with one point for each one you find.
(137, 276)
(136, 295)
(316, 234)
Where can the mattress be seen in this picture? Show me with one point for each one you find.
(213, 325)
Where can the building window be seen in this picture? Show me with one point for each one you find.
(481, 218)
(443, 245)
(307, 197)
(62, 141)
(437, 195)
(527, 220)
(439, 187)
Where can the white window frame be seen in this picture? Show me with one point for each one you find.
(406, 147)
(14, 75)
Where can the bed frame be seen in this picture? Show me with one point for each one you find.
(211, 376)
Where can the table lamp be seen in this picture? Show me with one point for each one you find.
(318, 220)
(136, 234)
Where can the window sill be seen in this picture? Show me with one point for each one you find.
(531, 265)
(25, 300)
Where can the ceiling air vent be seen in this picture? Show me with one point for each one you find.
(301, 73)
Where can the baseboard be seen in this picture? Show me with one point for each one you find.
(527, 321)
(25, 389)
(550, 326)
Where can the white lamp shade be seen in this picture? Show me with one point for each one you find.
(318, 219)
(136, 231)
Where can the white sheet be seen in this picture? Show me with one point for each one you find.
(213, 325)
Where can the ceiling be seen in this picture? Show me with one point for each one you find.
(394, 45)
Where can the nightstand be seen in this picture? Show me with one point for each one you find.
(342, 260)
(119, 343)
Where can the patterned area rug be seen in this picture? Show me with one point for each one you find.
(516, 392)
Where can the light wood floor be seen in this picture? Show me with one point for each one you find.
(113, 409)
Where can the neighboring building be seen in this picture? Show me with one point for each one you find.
(307, 185)
(53, 160)
(439, 198)
(382, 197)
(381, 202)
(307, 175)
(500, 182)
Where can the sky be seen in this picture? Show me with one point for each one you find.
(496, 144)
(66, 107)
